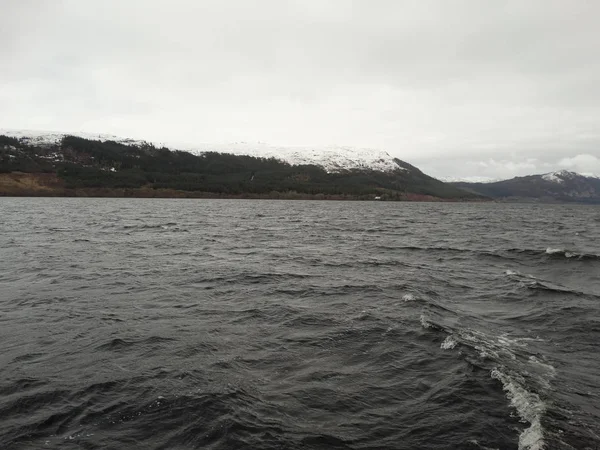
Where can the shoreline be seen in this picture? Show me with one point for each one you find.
(21, 184)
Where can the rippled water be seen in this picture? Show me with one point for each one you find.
(180, 324)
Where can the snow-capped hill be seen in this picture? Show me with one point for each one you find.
(332, 159)
(560, 176)
(42, 138)
(474, 179)
(562, 185)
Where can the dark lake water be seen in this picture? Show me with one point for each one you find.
(224, 324)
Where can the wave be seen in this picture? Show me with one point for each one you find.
(549, 287)
(529, 406)
(560, 252)
(508, 360)
(448, 343)
(329, 291)
(21, 385)
(430, 325)
(430, 249)
(556, 253)
(511, 253)
(270, 276)
(118, 344)
(170, 226)
(533, 283)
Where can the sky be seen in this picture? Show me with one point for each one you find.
(463, 89)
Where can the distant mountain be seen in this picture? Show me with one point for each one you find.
(561, 186)
(33, 163)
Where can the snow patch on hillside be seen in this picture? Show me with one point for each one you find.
(475, 179)
(41, 138)
(552, 176)
(332, 159)
(559, 176)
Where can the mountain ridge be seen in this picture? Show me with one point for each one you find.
(557, 186)
(86, 166)
(331, 158)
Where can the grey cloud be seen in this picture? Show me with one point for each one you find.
(426, 80)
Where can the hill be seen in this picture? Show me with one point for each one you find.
(561, 186)
(74, 165)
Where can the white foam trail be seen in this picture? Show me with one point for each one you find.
(449, 343)
(530, 408)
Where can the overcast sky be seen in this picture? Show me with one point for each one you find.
(459, 88)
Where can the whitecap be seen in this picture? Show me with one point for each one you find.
(408, 297)
(566, 253)
(530, 408)
(483, 354)
(508, 342)
(518, 275)
(449, 343)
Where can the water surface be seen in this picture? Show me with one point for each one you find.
(181, 324)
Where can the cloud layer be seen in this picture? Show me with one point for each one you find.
(463, 88)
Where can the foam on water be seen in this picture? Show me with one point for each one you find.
(515, 274)
(530, 408)
(511, 365)
(449, 343)
(585, 255)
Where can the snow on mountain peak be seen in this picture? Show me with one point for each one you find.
(559, 176)
(332, 159)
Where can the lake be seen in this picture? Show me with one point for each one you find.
(181, 324)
